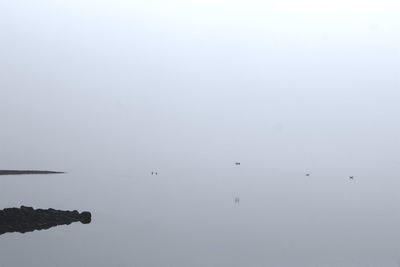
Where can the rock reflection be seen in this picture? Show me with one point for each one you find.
(27, 219)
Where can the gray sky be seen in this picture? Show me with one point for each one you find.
(187, 88)
(109, 84)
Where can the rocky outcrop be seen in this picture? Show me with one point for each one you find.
(27, 219)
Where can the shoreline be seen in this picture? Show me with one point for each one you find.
(20, 172)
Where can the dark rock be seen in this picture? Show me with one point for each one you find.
(86, 217)
(27, 219)
(17, 172)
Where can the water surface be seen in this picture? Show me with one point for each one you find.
(283, 219)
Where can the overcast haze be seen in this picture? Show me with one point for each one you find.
(187, 88)
(88, 82)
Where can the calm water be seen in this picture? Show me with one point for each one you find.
(190, 218)
(110, 91)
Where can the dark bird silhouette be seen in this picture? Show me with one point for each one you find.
(351, 177)
(237, 200)
(27, 219)
(237, 163)
(307, 174)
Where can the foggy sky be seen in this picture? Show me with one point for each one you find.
(114, 84)
(187, 88)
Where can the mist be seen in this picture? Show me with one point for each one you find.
(187, 88)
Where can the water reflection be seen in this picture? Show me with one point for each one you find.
(28, 219)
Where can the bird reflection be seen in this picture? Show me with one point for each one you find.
(27, 219)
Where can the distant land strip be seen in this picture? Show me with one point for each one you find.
(19, 172)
